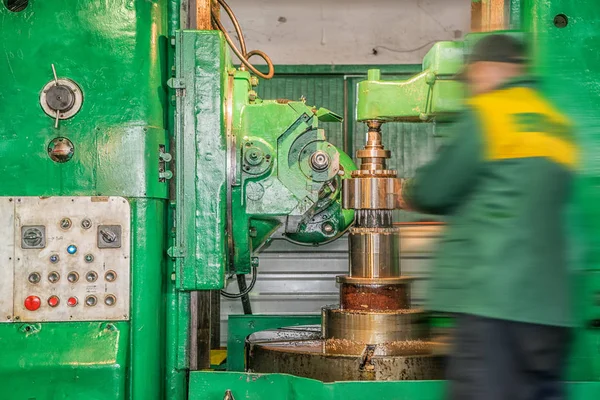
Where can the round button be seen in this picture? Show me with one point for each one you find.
(73, 277)
(32, 303)
(53, 277)
(91, 276)
(34, 277)
(72, 301)
(110, 276)
(91, 301)
(110, 300)
(53, 301)
(72, 249)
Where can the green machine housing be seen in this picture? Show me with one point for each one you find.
(208, 174)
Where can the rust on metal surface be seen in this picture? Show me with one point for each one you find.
(374, 297)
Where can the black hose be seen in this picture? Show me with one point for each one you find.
(245, 292)
(241, 279)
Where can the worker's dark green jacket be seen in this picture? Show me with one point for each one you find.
(503, 183)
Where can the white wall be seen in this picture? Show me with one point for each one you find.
(348, 31)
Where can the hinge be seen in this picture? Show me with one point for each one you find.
(176, 252)
(176, 83)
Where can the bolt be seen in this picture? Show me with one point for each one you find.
(86, 223)
(254, 81)
(252, 95)
(327, 228)
(319, 161)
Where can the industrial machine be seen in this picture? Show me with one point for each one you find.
(142, 170)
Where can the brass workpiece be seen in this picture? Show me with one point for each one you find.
(371, 193)
(373, 327)
(374, 252)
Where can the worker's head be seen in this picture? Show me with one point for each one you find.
(494, 60)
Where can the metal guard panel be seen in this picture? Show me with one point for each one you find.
(201, 167)
(34, 365)
(212, 386)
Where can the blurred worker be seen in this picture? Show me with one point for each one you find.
(503, 182)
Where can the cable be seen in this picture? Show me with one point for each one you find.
(245, 292)
(242, 54)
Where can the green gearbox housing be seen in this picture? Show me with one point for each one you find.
(286, 177)
(272, 173)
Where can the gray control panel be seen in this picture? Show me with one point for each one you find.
(64, 258)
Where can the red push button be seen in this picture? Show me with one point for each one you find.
(72, 302)
(53, 301)
(32, 303)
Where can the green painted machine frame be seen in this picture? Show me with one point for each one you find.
(128, 119)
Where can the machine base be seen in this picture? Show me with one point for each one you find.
(301, 351)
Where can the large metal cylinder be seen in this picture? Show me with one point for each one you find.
(374, 252)
(373, 327)
(381, 193)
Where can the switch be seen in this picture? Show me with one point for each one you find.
(33, 237)
(72, 301)
(91, 301)
(32, 303)
(109, 236)
(34, 278)
(73, 277)
(110, 276)
(110, 300)
(53, 301)
(53, 277)
(91, 276)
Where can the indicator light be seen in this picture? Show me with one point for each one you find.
(72, 301)
(72, 249)
(53, 301)
(89, 258)
(54, 258)
(32, 303)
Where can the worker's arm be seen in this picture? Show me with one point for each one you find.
(441, 185)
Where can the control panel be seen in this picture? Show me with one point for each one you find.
(64, 258)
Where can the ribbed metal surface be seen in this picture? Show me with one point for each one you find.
(300, 280)
(319, 90)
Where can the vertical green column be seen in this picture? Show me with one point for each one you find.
(147, 278)
(565, 37)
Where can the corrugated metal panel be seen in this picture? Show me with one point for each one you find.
(295, 279)
(319, 90)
